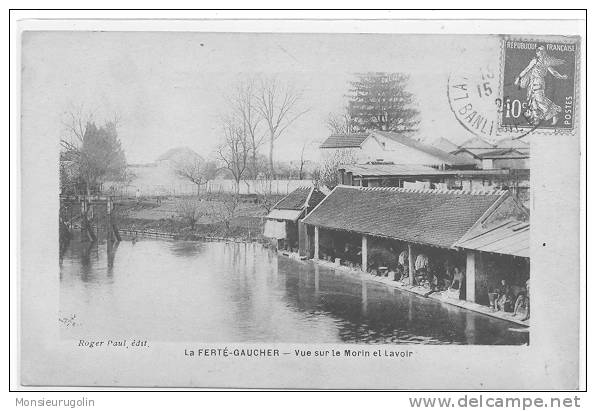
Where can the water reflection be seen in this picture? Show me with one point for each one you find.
(112, 247)
(190, 291)
(187, 249)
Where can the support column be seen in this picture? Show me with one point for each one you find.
(411, 264)
(364, 253)
(316, 256)
(471, 276)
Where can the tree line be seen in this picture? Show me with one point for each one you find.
(258, 112)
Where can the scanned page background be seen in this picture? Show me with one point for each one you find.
(549, 362)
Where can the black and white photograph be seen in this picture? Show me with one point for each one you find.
(217, 199)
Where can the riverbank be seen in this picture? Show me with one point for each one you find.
(163, 218)
(442, 296)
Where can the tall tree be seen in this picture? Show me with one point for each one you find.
(381, 101)
(94, 154)
(279, 105)
(302, 161)
(244, 103)
(234, 150)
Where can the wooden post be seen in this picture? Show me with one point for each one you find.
(316, 257)
(84, 236)
(87, 233)
(364, 253)
(109, 228)
(471, 276)
(411, 264)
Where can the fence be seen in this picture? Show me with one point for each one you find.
(146, 188)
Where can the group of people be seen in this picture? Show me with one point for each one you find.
(448, 278)
(511, 299)
(451, 278)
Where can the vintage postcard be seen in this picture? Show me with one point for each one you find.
(220, 207)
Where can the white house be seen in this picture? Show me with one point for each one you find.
(399, 148)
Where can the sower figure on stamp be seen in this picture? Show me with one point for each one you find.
(533, 78)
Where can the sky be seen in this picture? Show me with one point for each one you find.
(169, 88)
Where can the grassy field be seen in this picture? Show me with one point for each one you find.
(164, 216)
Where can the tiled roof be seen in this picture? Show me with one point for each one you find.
(405, 139)
(510, 237)
(431, 217)
(296, 200)
(344, 140)
(315, 198)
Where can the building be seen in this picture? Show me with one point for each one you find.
(505, 158)
(416, 176)
(399, 148)
(368, 227)
(475, 148)
(518, 143)
(281, 225)
(177, 155)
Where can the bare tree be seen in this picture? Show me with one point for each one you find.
(278, 104)
(234, 150)
(190, 209)
(190, 169)
(339, 123)
(302, 161)
(244, 103)
(75, 124)
(265, 195)
(327, 174)
(226, 209)
(196, 170)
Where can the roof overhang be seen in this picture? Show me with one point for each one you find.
(286, 215)
(508, 238)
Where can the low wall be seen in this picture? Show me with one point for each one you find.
(148, 188)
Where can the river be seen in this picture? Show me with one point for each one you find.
(173, 291)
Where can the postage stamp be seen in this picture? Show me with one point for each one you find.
(538, 84)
